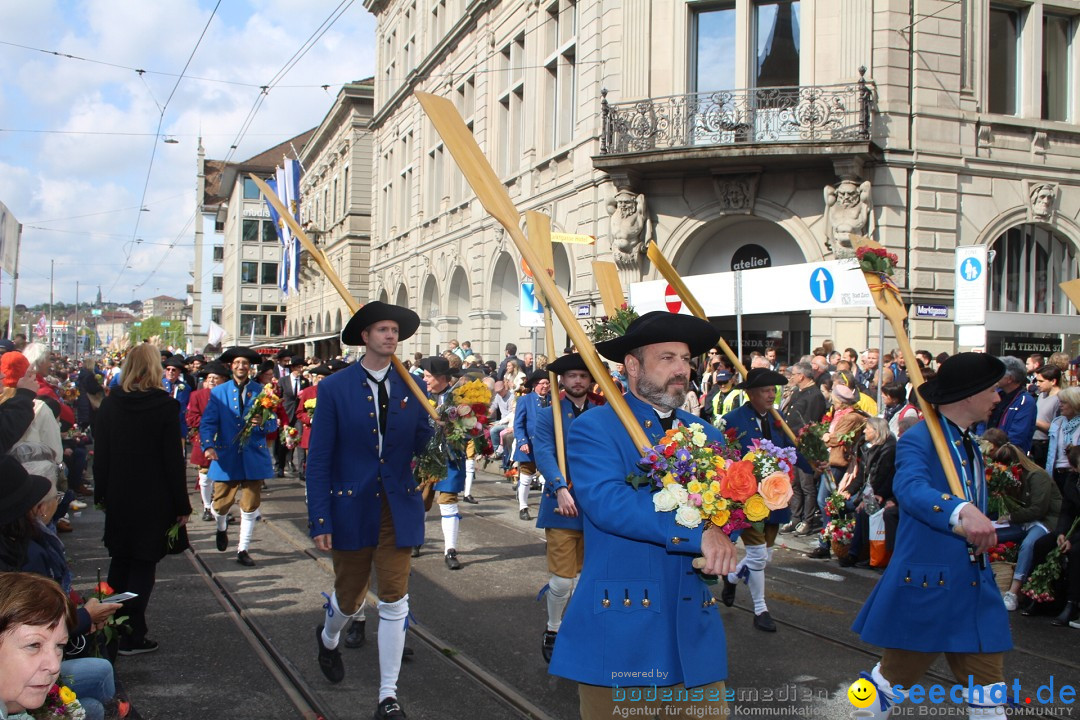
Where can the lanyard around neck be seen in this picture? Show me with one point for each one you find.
(973, 485)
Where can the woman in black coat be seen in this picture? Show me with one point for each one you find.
(877, 465)
(139, 479)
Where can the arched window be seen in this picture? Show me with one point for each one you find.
(1028, 263)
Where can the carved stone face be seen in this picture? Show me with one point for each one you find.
(1042, 201)
(627, 207)
(847, 195)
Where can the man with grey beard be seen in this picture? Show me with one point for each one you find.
(642, 610)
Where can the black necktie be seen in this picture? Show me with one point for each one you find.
(384, 403)
(666, 422)
(766, 431)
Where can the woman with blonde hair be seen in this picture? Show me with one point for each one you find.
(139, 480)
(1040, 505)
(1064, 432)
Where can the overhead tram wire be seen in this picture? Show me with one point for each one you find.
(153, 152)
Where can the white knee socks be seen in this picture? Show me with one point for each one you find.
(558, 594)
(524, 483)
(206, 490)
(757, 557)
(470, 475)
(987, 701)
(450, 519)
(335, 621)
(886, 698)
(247, 528)
(392, 618)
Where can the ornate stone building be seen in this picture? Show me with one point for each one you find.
(736, 135)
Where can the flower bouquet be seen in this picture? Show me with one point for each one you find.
(700, 482)
(69, 392)
(609, 327)
(1003, 488)
(262, 410)
(60, 704)
(1003, 562)
(290, 436)
(109, 633)
(461, 424)
(840, 529)
(812, 444)
(876, 260)
(309, 406)
(1040, 583)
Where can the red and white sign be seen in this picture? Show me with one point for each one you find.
(671, 299)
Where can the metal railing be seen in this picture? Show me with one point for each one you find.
(812, 113)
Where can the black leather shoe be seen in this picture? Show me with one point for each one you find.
(451, 560)
(207, 515)
(524, 514)
(846, 561)
(764, 622)
(820, 553)
(1070, 612)
(221, 539)
(354, 636)
(471, 500)
(244, 559)
(727, 595)
(329, 660)
(416, 551)
(547, 645)
(389, 708)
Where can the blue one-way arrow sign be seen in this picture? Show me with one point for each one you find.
(822, 285)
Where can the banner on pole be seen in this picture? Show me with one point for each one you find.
(9, 240)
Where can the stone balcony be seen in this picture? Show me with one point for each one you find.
(778, 126)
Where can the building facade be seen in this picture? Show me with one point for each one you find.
(164, 307)
(335, 199)
(737, 134)
(252, 305)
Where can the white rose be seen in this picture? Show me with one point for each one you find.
(468, 422)
(688, 516)
(663, 501)
(679, 493)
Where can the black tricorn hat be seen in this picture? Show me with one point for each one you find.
(962, 376)
(215, 368)
(239, 351)
(659, 327)
(534, 377)
(377, 311)
(196, 358)
(323, 369)
(566, 363)
(175, 361)
(437, 365)
(19, 490)
(284, 353)
(762, 377)
(336, 365)
(265, 365)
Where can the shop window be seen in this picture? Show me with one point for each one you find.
(1028, 263)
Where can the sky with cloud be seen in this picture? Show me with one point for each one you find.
(81, 153)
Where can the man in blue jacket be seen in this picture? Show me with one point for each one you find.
(938, 593)
(177, 385)
(641, 618)
(525, 413)
(363, 504)
(559, 516)
(1017, 410)
(237, 470)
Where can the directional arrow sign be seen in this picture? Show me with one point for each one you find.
(821, 285)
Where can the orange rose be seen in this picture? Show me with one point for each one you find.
(776, 490)
(738, 482)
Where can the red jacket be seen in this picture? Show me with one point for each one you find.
(196, 405)
(308, 393)
(46, 390)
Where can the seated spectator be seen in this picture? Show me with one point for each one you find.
(1069, 545)
(1040, 505)
(873, 488)
(994, 438)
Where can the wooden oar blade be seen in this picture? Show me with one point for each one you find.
(1071, 288)
(609, 285)
(538, 228)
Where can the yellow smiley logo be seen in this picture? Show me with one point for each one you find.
(862, 693)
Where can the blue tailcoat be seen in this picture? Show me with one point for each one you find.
(547, 463)
(222, 421)
(346, 473)
(932, 598)
(525, 414)
(454, 482)
(743, 420)
(632, 551)
(181, 395)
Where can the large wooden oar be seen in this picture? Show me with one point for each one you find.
(538, 226)
(493, 196)
(1071, 288)
(609, 285)
(332, 276)
(670, 274)
(887, 298)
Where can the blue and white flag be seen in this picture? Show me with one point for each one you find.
(280, 229)
(292, 201)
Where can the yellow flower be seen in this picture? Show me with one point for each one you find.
(749, 457)
(755, 508)
(714, 486)
(694, 486)
(720, 519)
(67, 696)
(708, 497)
(699, 438)
(668, 479)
